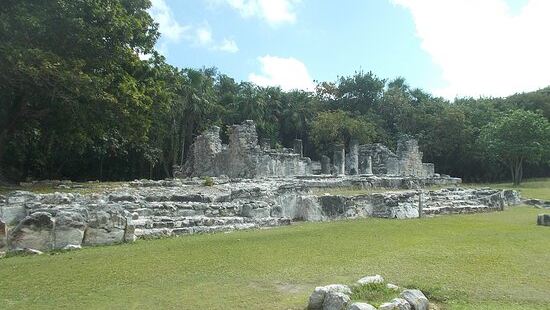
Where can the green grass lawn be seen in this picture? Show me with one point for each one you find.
(482, 261)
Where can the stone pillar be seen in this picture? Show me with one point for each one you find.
(325, 164)
(369, 165)
(354, 157)
(298, 147)
(339, 159)
(420, 204)
(3, 236)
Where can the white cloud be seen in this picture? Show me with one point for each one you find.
(203, 36)
(171, 30)
(168, 25)
(288, 73)
(229, 46)
(482, 48)
(274, 12)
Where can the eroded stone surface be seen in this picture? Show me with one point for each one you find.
(335, 301)
(395, 304)
(376, 279)
(147, 208)
(416, 299)
(543, 219)
(35, 231)
(361, 306)
(3, 236)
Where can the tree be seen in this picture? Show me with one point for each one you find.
(517, 137)
(338, 127)
(71, 77)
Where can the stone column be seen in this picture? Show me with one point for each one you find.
(325, 164)
(420, 203)
(354, 157)
(339, 159)
(3, 236)
(298, 147)
(369, 165)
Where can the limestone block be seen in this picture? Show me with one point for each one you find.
(57, 198)
(395, 304)
(317, 298)
(361, 306)
(416, 299)
(35, 231)
(69, 228)
(335, 301)
(105, 226)
(543, 219)
(12, 214)
(3, 236)
(371, 279)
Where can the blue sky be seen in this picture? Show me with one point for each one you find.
(448, 47)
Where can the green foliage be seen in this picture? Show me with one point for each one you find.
(208, 181)
(77, 102)
(333, 127)
(517, 137)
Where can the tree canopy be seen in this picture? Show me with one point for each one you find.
(518, 137)
(77, 101)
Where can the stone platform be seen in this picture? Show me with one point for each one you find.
(143, 209)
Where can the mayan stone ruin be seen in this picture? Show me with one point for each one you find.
(244, 158)
(251, 187)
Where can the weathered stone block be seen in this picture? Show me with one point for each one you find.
(361, 306)
(69, 228)
(543, 219)
(395, 304)
(3, 236)
(105, 227)
(35, 231)
(416, 299)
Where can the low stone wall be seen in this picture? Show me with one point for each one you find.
(143, 209)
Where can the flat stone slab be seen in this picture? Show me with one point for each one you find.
(543, 219)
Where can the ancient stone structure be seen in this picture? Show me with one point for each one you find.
(325, 164)
(174, 207)
(339, 159)
(407, 161)
(242, 158)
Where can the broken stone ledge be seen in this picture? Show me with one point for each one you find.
(146, 209)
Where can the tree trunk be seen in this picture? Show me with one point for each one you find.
(14, 115)
(517, 171)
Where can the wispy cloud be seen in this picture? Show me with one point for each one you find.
(173, 31)
(482, 47)
(168, 25)
(229, 46)
(288, 73)
(274, 12)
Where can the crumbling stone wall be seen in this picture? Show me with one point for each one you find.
(383, 160)
(409, 158)
(242, 158)
(407, 161)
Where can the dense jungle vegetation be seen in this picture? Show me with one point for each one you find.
(77, 101)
